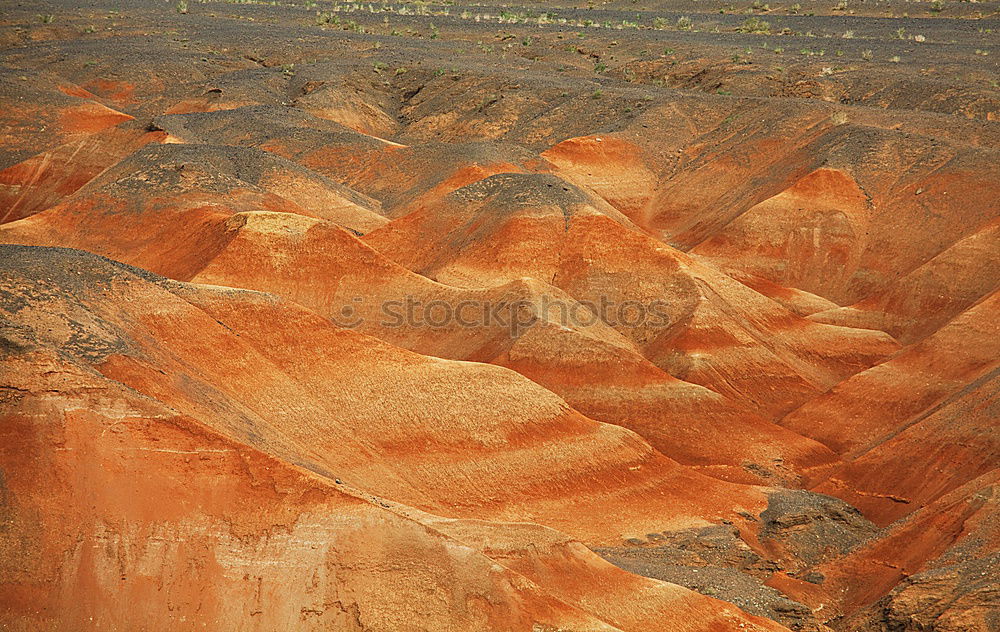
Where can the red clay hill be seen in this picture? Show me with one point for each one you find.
(633, 317)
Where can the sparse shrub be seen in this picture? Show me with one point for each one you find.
(754, 25)
(848, 35)
(937, 6)
(867, 55)
(48, 18)
(684, 23)
(182, 6)
(324, 19)
(597, 94)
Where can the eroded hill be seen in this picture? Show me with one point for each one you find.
(412, 316)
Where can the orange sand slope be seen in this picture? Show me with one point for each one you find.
(196, 459)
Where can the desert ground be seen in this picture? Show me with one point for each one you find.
(635, 315)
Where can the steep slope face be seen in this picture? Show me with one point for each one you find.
(868, 407)
(926, 298)
(521, 324)
(958, 597)
(810, 236)
(394, 174)
(109, 497)
(42, 111)
(610, 166)
(247, 536)
(695, 323)
(56, 137)
(330, 271)
(319, 195)
(958, 440)
(946, 193)
(577, 576)
(736, 162)
(464, 439)
(309, 140)
(802, 201)
(628, 167)
(936, 398)
(931, 570)
(46, 178)
(334, 90)
(525, 325)
(123, 501)
(192, 193)
(106, 217)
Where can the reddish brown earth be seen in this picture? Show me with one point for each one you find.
(640, 316)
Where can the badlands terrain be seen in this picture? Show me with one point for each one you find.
(636, 315)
